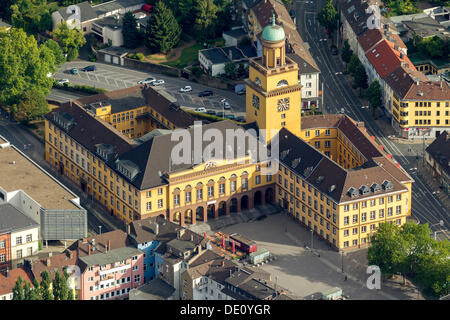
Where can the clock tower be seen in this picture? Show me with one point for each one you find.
(273, 92)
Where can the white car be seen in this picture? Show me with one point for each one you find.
(62, 81)
(186, 89)
(146, 81)
(201, 109)
(158, 82)
(226, 104)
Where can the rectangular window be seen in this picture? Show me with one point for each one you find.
(149, 206)
(160, 203)
(18, 240)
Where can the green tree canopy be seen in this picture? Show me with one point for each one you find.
(231, 70)
(328, 16)
(346, 53)
(360, 79)
(24, 66)
(205, 17)
(130, 32)
(163, 31)
(68, 39)
(56, 50)
(353, 64)
(46, 290)
(373, 94)
(18, 292)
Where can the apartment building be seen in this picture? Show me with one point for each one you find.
(420, 109)
(437, 155)
(149, 234)
(19, 237)
(8, 280)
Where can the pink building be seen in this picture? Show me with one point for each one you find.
(111, 274)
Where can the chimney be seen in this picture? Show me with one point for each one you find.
(180, 233)
(128, 228)
(192, 236)
(89, 249)
(70, 253)
(7, 272)
(109, 246)
(156, 228)
(48, 262)
(223, 263)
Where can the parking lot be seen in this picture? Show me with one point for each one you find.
(114, 77)
(303, 273)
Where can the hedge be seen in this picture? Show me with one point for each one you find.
(79, 88)
(209, 117)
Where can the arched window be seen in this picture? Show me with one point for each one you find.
(282, 83)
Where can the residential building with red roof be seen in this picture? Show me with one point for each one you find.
(8, 280)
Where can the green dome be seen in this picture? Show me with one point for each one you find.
(273, 32)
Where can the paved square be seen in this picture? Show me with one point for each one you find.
(304, 273)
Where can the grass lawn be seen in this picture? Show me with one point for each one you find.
(188, 56)
(160, 56)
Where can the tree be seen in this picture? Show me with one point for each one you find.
(130, 32)
(32, 16)
(163, 31)
(60, 287)
(36, 292)
(387, 249)
(18, 292)
(373, 94)
(205, 16)
(346, 53)
(27, 290)
(230, 70)
(360, 79)
(45, 286)
(241, 70)
(328, 16)
(32, 104)
(24, 66)
(67, 38)
(353, 64)
(72, 54)
(56, 50)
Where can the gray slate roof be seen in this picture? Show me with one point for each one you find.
(111, 256)
(12, 219)
(156, 289)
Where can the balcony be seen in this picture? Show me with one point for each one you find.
(112, 270)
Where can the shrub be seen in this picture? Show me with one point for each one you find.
(80, 88)
(136, 56)
(92, 57)
(72, 54)
(197, 71)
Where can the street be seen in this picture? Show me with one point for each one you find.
(338, 94)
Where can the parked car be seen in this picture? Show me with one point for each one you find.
(201, 109)
(226, 104)
(186, 89)
(205, 93)
(334, 50)
(240, 119)
(211, 112)
(241, 92)
(49, 75)
(74, 71)
(229, 116)
(158, 83)
(147, 81)
(62, 81)
(220, 114)
(89, 68)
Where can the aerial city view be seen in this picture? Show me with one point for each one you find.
(226, 150)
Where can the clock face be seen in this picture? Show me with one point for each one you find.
(283, 104)
(256, 101)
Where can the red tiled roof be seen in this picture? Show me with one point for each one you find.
(403, 78)
(385, 59)
(438, 90)
(370, 38)
(52, 264)
(7, 283)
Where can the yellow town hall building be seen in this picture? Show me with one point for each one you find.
(332, 177)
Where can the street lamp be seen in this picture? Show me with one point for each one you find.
(440, 223)
(100, 227)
